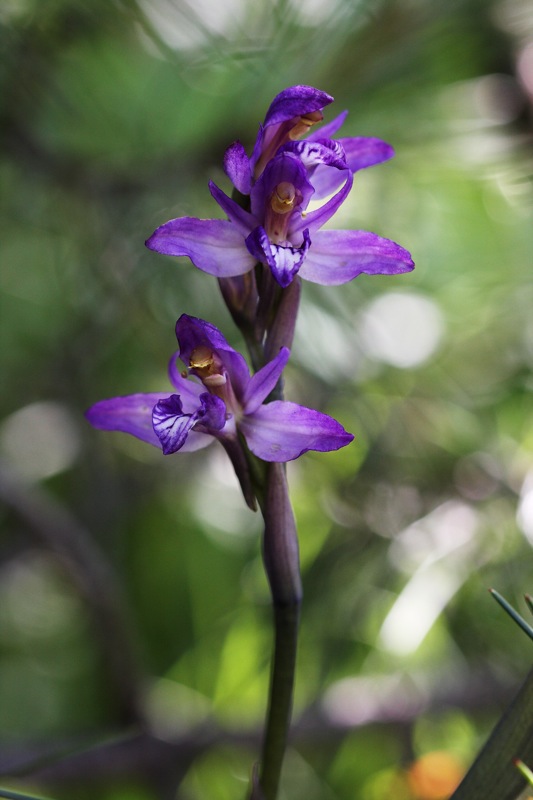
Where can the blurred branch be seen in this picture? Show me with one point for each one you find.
(9, 795)
(94, 580)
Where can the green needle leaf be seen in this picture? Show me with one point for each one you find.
(529, 601)
(524, 769)
(512, 613)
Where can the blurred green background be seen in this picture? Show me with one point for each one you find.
(132, 595)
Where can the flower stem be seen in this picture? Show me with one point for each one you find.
(286, 621)
(280, 553)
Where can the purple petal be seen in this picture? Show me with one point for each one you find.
(359, 151)
(212, 415)
(213, 245)
(264, 381)
(315, 219)
(193, 332)
(338, 256)
(365, 151)
(131, 414)
(171, 425)
(258, 146)
(322, 151)
(282, 431)
(329, 130)
(285, 109)
(174, 428)
(237, 167)
(325, 161)
(295, 101)
(326, 181)
(260, 247)
(243, 220)
(283, 260)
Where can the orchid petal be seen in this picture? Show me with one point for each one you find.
(327, 131)
(213, 245)
(193, 332)
(365, 151)
(258, 146)
(212, 416)
(173, 427)
(326, 181)
(295, 101)
(260, 247)
(130, 414)
(283, 260)
(338, 256)
(237, 167)
(243, 220)
(322, 151)
(282, 431)
(315, 219)
(285, 109)
(360, 152)
(325, 160)
(264, 381)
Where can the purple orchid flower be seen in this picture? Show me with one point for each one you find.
(281, 177)
(222, 403)
(279, 232)
(291, 115)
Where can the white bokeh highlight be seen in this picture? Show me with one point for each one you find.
(40, 440)
(403, 329)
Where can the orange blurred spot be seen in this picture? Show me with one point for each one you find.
(434, 776)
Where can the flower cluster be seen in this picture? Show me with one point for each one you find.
(284, 174)
(270, 238)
